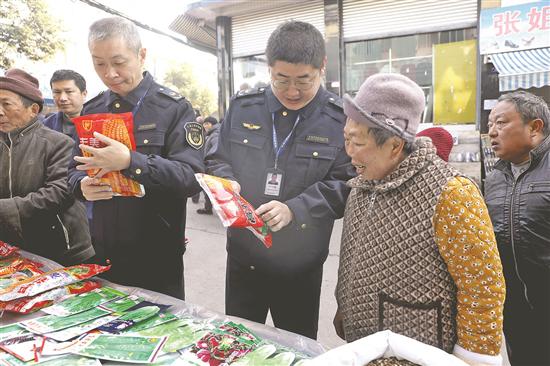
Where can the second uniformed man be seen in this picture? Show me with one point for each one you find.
(293, 131)
(142, 237)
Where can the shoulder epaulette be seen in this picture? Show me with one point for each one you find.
(94, 99)
(336, 102)
(170, 93)
(249, 92)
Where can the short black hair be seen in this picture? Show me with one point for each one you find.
(529, 107)
(296, 42)
(211, 120)
(62, 75)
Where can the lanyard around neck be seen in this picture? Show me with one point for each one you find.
(138, 104)
(279, 149)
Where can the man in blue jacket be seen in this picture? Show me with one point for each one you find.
(293, 130)
(69, 93)
(143, 237)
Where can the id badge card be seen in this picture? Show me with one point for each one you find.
(273, 182)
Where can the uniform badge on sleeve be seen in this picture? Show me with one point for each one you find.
(194, 134)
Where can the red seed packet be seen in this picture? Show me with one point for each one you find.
(12, 263)
(232, 209)
(49, 280)
(6, 249)
(120, 127)
(26, 305)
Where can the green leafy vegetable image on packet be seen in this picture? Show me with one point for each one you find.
(121, 347)
(84, 301)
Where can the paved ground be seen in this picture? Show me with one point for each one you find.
(205, 270)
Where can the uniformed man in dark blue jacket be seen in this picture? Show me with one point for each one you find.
(142, 237)
(292, 130)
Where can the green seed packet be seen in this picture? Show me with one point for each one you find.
(72, 332)
(153, 321)
(11, 330)
(52, 323)
(72, 360)
(162, 329)
(123, 304)
(182, 337)
(129, 319)
(121, 347)
(83, 302)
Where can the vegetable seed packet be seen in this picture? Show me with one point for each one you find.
(84, 301)
(26, 305)
(127, 320)
(123, 348)
(53, 323)
(25, 347)
(120, 127)
(232, 209)
(21, 274)
(52, 279)
(122, 304)
(9, 331)
(66, 334)
(6, 249)
(157, 319)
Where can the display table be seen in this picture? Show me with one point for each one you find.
(301, 344)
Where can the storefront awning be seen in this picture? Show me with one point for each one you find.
(523, 69)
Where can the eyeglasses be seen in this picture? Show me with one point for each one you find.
(302, 85)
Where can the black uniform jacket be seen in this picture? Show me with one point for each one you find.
(314, 187)
(151, 227)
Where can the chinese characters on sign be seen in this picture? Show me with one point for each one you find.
(515, 28)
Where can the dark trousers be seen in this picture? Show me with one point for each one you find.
(293, 302)
(157, 273)
(527, 327)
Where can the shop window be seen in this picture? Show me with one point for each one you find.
(415, 56)
(250, 72)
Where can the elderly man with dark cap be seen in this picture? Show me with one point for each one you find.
(418, 253)
(37, 211)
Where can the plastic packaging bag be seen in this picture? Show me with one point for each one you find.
(6, 249)
(52, 279)
(119, 127)
(232, 209)
(30, 304)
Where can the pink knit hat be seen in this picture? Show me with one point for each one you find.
(389, 101)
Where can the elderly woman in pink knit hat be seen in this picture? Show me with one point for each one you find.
(418, 253)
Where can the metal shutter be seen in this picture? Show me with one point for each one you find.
(250, 32)
(371, 19)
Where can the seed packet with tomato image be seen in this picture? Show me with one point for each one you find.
(232, 209)
(6, 249)
(119, 127)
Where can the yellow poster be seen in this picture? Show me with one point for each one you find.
(455, 82)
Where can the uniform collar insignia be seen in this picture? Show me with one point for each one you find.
(251, 126)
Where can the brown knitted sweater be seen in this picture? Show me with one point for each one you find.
(391, 273)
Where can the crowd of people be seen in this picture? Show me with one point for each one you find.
(424, 252)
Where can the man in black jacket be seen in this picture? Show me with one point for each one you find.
(142, 237)
(37, 211)
(293, 130)
(518, 198)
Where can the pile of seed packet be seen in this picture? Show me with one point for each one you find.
(84, 323)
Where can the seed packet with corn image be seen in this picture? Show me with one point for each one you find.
(119, 127)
